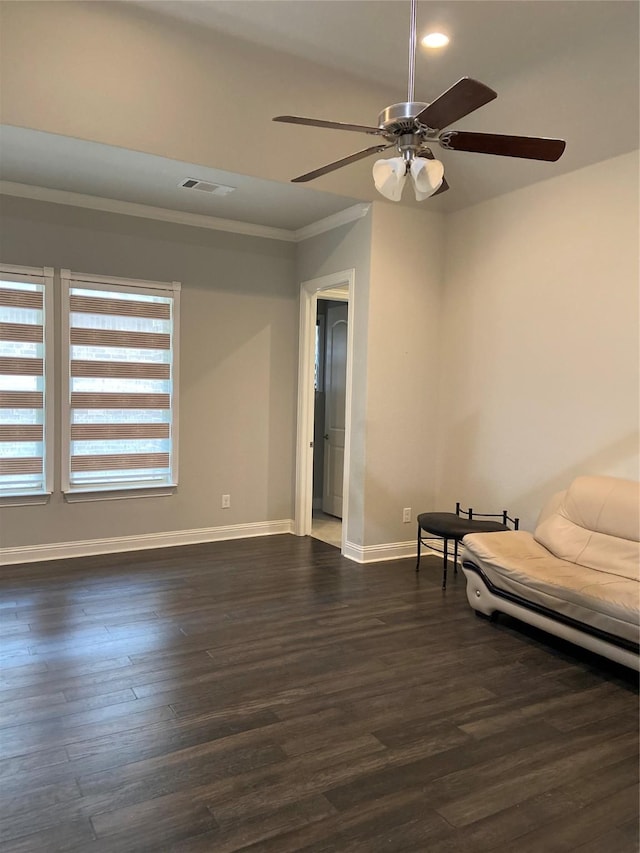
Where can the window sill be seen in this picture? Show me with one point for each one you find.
(25, 500)
(96, 494)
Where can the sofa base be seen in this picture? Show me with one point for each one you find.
(485, 598)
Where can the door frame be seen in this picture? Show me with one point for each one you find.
(338, 286)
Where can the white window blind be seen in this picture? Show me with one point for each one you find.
(25, 381)
(122, 383)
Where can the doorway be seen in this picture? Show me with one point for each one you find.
(329, 419)
(330, 298)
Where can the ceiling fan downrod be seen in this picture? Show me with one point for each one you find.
(412, 52)
(409, 143)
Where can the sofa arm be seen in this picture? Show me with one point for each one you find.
(513, 547)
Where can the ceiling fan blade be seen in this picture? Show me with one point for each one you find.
(528, 147)
(335, 125)
(462, 98)
(444, 186)
(338, 164)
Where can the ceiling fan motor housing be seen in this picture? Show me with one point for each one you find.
(400, 118)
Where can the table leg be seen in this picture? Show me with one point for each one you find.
(444, 564)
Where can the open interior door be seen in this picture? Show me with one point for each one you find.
(335, 388)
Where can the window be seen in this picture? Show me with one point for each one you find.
(26, 371)
(122, 383)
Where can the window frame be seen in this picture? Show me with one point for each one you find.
(74, 493)
(45, 277)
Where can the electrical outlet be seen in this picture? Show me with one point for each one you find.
(226, 501)
(406, 514)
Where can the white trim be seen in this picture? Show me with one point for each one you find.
(180, 217)
(42, 276)
(379, 553)
(342, 217)
(310, 291)
(305, 420)
(25, 499)
(108, 493)
(89, 547)
(110, 282)
(336, 293)
(65, 403)
(145, 211)
(50, 349)
(175, 383)
(8, 271)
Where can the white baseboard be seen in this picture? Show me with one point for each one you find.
(89, 547)
(378, 553)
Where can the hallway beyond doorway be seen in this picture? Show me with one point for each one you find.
(326, 528)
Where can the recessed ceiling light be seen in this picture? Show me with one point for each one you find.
(435, 40)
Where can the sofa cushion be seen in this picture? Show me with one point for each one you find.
(596, 524)
(516, 563)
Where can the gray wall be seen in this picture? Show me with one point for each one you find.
(525, 308)
(238, 370)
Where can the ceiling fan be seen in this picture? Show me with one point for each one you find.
(411, 127)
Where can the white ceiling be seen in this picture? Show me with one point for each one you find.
(562, 68)
(490, 39)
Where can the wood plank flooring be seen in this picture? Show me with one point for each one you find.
(267, 695)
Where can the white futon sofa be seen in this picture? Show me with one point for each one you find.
(576, 576)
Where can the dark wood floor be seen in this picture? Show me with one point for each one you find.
(267, 695)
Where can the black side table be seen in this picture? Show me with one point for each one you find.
(455, 526)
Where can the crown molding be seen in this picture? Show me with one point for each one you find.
(343, 217)
(145, 211)
(178, 217)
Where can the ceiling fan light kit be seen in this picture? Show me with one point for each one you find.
(411, 126)
(389, 177)
(427, 175)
